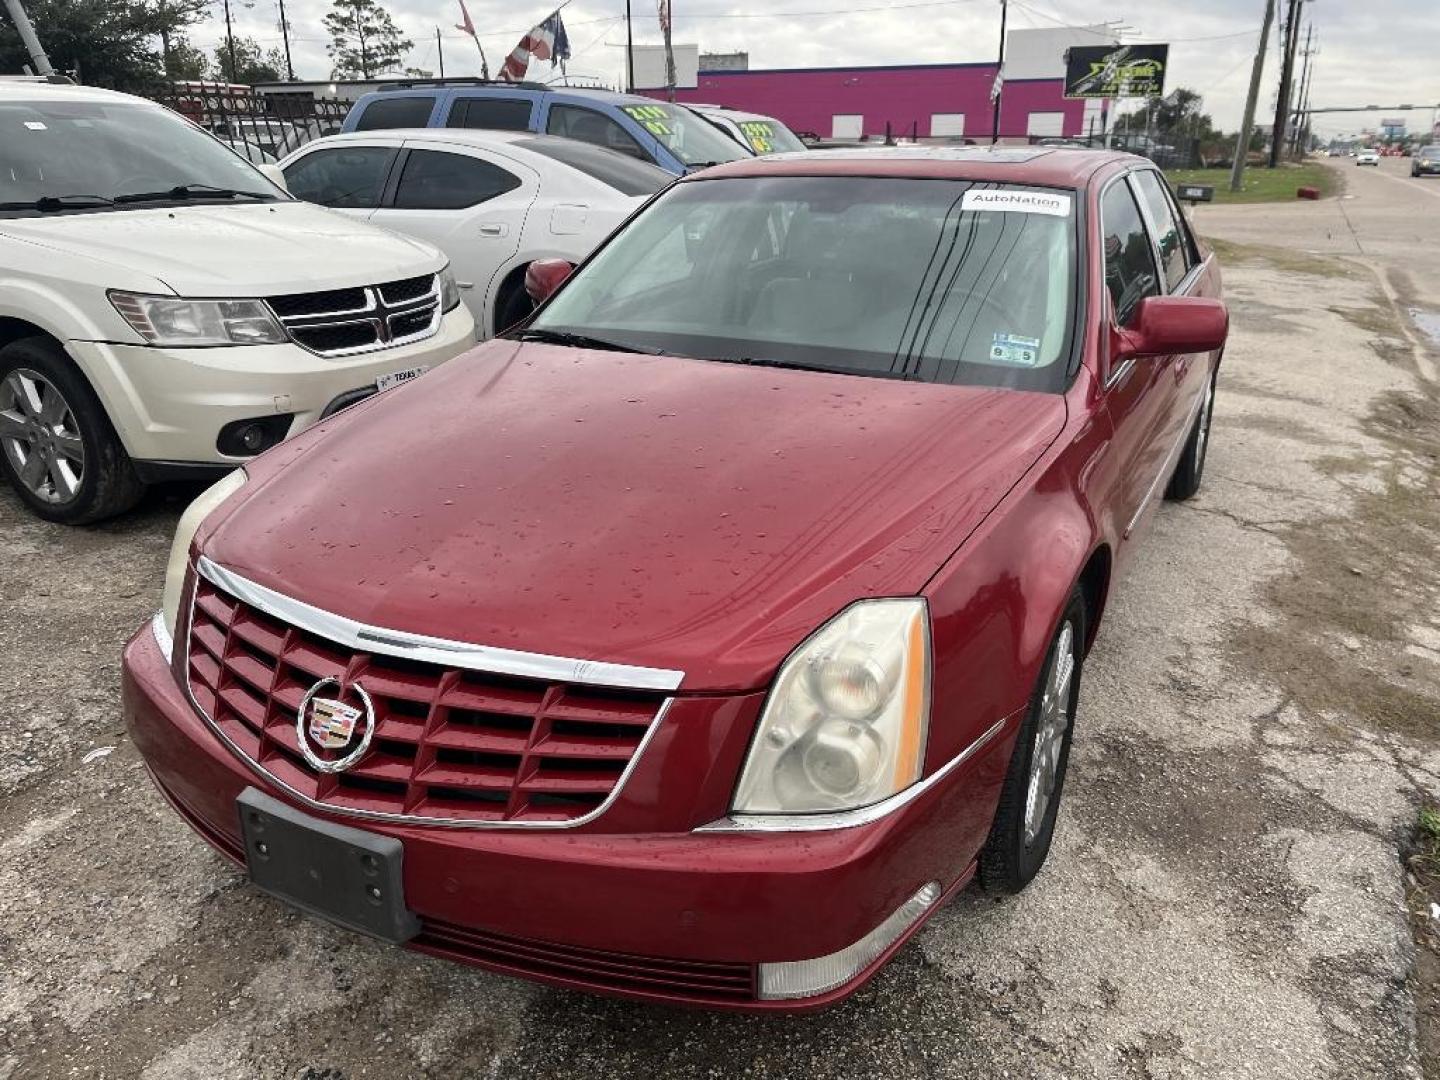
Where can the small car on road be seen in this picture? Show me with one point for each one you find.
(1426, 161)
(492, 201)
(168, 311)
(696, 639)
(1368, 157)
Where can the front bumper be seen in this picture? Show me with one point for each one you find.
(168, 405)
(678, 917)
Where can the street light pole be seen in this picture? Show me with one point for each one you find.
(1287, 70)
(28, 38)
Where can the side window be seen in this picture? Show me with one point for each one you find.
(587, 125)
(434, 180)
(396, 112)
(349, 176)
(1170, 234)
(1129, 266)
(496, 114)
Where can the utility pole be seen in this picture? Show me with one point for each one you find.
(230, 41)
(629, 50)
(669, 49)
(1297, 148)
(440, 50)
(999, 87)
(1291, 36)
(28, 38)
(285, 37)
(1242, 144)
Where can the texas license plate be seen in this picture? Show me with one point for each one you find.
(395, 378)
(348, 876)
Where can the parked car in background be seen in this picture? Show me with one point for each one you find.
(741, 595)
(662, 134)
(492, 201)
(1426, 161)
(756, 133)
(166, 310)
(251, 152)
(267, 134)
(1368, 156)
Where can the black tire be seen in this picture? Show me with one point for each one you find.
(513, 305)
(1013, 854)
(107, 484)
(1190, 469)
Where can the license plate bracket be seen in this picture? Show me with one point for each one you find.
(346, 876)
(395, 378)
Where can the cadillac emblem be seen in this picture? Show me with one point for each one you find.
(333, 724)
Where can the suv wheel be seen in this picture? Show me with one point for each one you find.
(57, 446)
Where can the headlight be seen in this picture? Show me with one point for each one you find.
(449, 291)
(185, 532)
(171, 321)
(846, 722)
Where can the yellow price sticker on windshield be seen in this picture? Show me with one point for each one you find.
(760, 134)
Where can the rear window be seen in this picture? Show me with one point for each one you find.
(396, 112)
(493, 114)
(435, 180)
(624, 174)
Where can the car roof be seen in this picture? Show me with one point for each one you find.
(40, 89)
(462, 136)
(1041, 165)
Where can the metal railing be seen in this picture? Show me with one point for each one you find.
(262, 128)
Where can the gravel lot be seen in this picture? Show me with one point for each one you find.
(1225, 897)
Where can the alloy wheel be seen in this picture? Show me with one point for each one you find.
(1050, 729)
(40, 437)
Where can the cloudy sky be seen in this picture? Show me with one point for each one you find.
(1381, 52)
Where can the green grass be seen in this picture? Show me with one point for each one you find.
(1262, 184)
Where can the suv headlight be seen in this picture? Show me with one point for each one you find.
(846, 722)
(449, 291)
(172, 321)
(190, 521)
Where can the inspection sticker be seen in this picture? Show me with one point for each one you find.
(1023, 202)
(1016, 350)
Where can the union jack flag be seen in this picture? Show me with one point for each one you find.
(548, 41)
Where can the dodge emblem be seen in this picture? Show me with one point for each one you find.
(328, 723)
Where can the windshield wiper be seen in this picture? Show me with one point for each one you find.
(794, 365)
(192, 191)
(583, 341)
(47, 204)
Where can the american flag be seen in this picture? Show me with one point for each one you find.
(548, 41)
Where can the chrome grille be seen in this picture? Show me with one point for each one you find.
(451, 746)
(343, 322)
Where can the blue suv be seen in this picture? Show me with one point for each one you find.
(666, 135)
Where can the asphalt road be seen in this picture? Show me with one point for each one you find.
(1225, 898)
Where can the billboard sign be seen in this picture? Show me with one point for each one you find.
(1116, 71)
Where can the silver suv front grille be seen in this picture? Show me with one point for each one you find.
(344, 322)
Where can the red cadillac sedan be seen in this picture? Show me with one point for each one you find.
(695, 640)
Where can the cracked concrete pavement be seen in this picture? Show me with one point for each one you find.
(1225, 894)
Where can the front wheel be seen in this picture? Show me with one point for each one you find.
(57, 446)
(1024, 823)
(1190, 469)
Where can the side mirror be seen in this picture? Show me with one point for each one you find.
(543, 277)
(1171, 325)
(275, 176)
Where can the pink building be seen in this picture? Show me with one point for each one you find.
(920, 99)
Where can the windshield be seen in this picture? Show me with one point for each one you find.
(685, 135)
(60, 150)
(934, 280)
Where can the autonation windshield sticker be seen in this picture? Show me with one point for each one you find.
(1023, 202)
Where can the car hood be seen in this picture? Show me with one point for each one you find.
(258, 249)
(653, 511)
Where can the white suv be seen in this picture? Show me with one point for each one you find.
(167, 310)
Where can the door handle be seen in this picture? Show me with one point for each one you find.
(494, 230)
